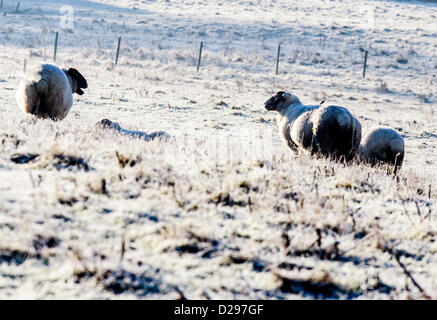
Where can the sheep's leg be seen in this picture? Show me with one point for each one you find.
(395, 171)
(35, 108)
(315, 149)
(41, 87)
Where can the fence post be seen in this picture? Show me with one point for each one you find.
(365, 64)
(118, 50)
(200, 55)
(277, 58)
(56, 46)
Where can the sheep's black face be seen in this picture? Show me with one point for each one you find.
(106, 123)
(80, 80)
(274, 103)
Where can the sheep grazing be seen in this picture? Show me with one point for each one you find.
(332, 131)
(382, 145)
(108, 124)
(47, 91)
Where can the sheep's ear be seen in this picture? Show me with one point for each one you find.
(81, 81)
(279, 96)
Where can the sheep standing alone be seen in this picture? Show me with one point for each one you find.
(382, 145)
(47, 91)
(330, 131)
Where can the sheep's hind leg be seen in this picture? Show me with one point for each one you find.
(35, 108)
(398, 163)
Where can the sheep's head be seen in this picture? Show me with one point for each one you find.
(78, 82)
(280, 101)
(108, 124)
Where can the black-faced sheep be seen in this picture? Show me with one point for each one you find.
(47, 92)
(332, 131)
(382, 145)
(108, 124)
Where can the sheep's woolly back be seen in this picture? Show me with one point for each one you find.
(45, 92)
(337, 133)
(382, 144)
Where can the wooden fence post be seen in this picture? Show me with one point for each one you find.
(56, 46)
(118, 50)
(277, 58)
(365, 64)
(200, 55)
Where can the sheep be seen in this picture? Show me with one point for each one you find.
(337, 132)
(332, 131)
(381, 144)
(108, 124)
(47, 92)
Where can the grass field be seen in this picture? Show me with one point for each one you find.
(223, 210)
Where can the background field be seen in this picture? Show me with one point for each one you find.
(224, 210)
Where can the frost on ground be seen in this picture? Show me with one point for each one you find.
(224, 210)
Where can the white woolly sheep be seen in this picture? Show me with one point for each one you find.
(382, 144)
(108, 124)
(47, 91)
(330, 131)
